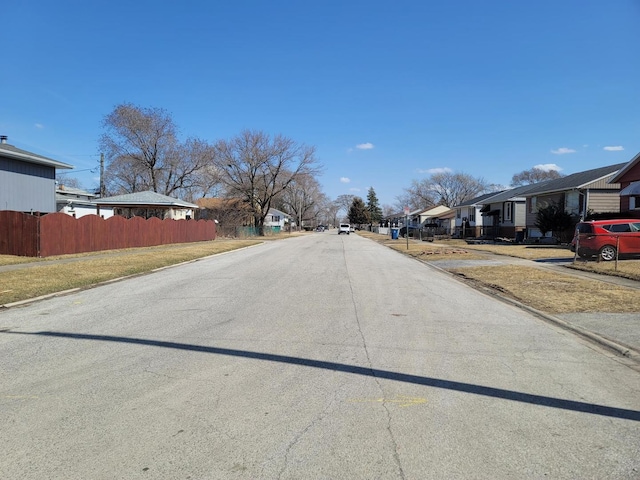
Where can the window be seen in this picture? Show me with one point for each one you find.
(508, 211)
(618, 227)
(458, 213)
(472, 214)
(634, 202)
(533, 204)
(275, 218)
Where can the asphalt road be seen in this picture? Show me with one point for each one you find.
(315, 357)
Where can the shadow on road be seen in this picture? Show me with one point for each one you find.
(371, 372)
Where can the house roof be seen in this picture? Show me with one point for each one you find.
(144, 199)
(217, 202)
(632, 163)
(75, 196)
(434, 211)
(574, 181)
(9, 151)
(632, 189)
(477, 200)
(68, 191)
(275, 211)
(513, 193)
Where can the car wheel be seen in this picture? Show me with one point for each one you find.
(607, 253)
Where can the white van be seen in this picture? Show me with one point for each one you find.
(344, 228)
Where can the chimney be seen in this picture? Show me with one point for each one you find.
(3, 139)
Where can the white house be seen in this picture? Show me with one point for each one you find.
(276, 220)
(78, 203)
(469, 217)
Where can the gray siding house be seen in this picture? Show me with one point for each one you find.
(27, 180)
(505, 213)
(578, 194)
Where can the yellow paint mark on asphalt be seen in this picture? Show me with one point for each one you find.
(400, 400)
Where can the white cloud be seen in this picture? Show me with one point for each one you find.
(433, 171)
(617, 148)
(547, 167)
(364, 146)
(563, 150)
(356, 190)
(345, 180)
(39, 125)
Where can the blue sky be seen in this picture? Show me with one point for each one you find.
(386, 91)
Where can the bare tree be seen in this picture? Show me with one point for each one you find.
(418, 196)
(344, 203)
(534, 175)
(454, 188)
(143, 153)
(67, 181)
(446, 188)
(259, 168)
(302, 199)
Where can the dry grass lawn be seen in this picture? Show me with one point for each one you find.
(552, 292)
(424, 250)
(626, 268)
(83, 270)
(530, 252)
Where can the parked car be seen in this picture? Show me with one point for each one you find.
(344, 228)
(412, 231)
(607, 238)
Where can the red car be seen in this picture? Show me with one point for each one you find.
(606, 238)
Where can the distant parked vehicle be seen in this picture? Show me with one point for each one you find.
(607, 238)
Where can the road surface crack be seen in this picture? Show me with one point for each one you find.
(394, 443)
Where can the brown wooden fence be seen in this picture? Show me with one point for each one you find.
(58, 233)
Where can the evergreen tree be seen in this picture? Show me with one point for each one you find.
(375, 212)
(553, 218)
(358, 213)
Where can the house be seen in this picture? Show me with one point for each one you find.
(27, 180)
(468, 220)
(148, 204)
(78, 203)
(579, 193)
(629, 179)
(504, 214)
(276, 220)
(439, 220)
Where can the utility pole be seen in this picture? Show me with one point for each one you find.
(101, 175)
(101, 181)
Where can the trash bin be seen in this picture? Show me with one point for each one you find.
(394, 233)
